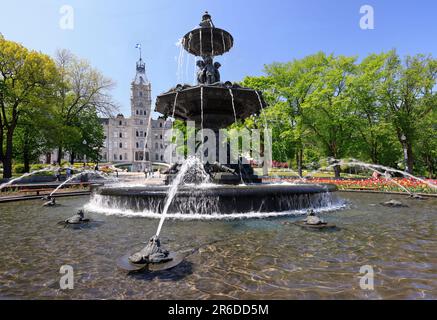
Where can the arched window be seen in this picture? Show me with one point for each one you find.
(121, 157)
(121, 135)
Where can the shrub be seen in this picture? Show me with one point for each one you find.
(18, 168)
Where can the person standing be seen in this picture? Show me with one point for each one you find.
(58, 174)
(68, 172)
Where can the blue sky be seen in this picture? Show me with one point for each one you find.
(106, 31)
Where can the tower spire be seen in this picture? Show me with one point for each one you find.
(138, 46)
(140, 76)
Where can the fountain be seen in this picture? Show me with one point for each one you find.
(214, 105)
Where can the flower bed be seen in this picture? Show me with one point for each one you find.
(383, 185)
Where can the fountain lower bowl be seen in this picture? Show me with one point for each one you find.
(215, 199)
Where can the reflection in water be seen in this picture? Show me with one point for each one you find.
(241, 259)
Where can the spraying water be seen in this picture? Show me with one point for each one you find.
(74, 177)
(4, 185)
(224, 44)
(212, 42)
(190, 162)
(233, 104)
(201, 121)
(266, 129)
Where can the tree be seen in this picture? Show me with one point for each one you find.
(293, 84)
(409, 91)
(327, 109)
(27, 78)
(82, 89)
(373, 134)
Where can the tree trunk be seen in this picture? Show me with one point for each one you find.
(59, 155)
(337, 172)
(7, 159)
(72, 157)
(299, 162)
(26, 159)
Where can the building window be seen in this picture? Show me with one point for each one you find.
(115, 134)
(125, 156)
(120, 123)
(121, 145)
(156, 146)
(120, 135)
(137, 133)
(121, 157)
(160, 137)
(141, 93)
(115, 157)
(160, 125)
(162, 158)
(141, 134)
(137, 112)
(141, 122)
(138, 145)
(156, 157)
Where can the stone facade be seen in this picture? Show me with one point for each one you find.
(126, 137)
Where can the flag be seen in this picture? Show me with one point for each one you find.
(138, 46)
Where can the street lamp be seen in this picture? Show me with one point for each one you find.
(84, 142)
(404, 146)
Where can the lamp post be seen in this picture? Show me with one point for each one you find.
(404, 146)
(84, 142)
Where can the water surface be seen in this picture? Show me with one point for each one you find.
(240, 259)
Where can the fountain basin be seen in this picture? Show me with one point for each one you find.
(215, 199)
(217, 104)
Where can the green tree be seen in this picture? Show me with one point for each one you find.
(373, 135)
(327, 109)
(82, 90)
(409, 92)
(27, 78)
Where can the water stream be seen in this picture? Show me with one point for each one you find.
(7, 184)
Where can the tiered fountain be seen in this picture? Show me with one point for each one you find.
(213, 104)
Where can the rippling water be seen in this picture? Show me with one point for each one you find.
(240, 259)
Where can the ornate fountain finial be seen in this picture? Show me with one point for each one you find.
(206, 21)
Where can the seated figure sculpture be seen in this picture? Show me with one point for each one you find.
(208, 72)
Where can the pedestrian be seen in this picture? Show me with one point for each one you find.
(58, 174)
(68, 172)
